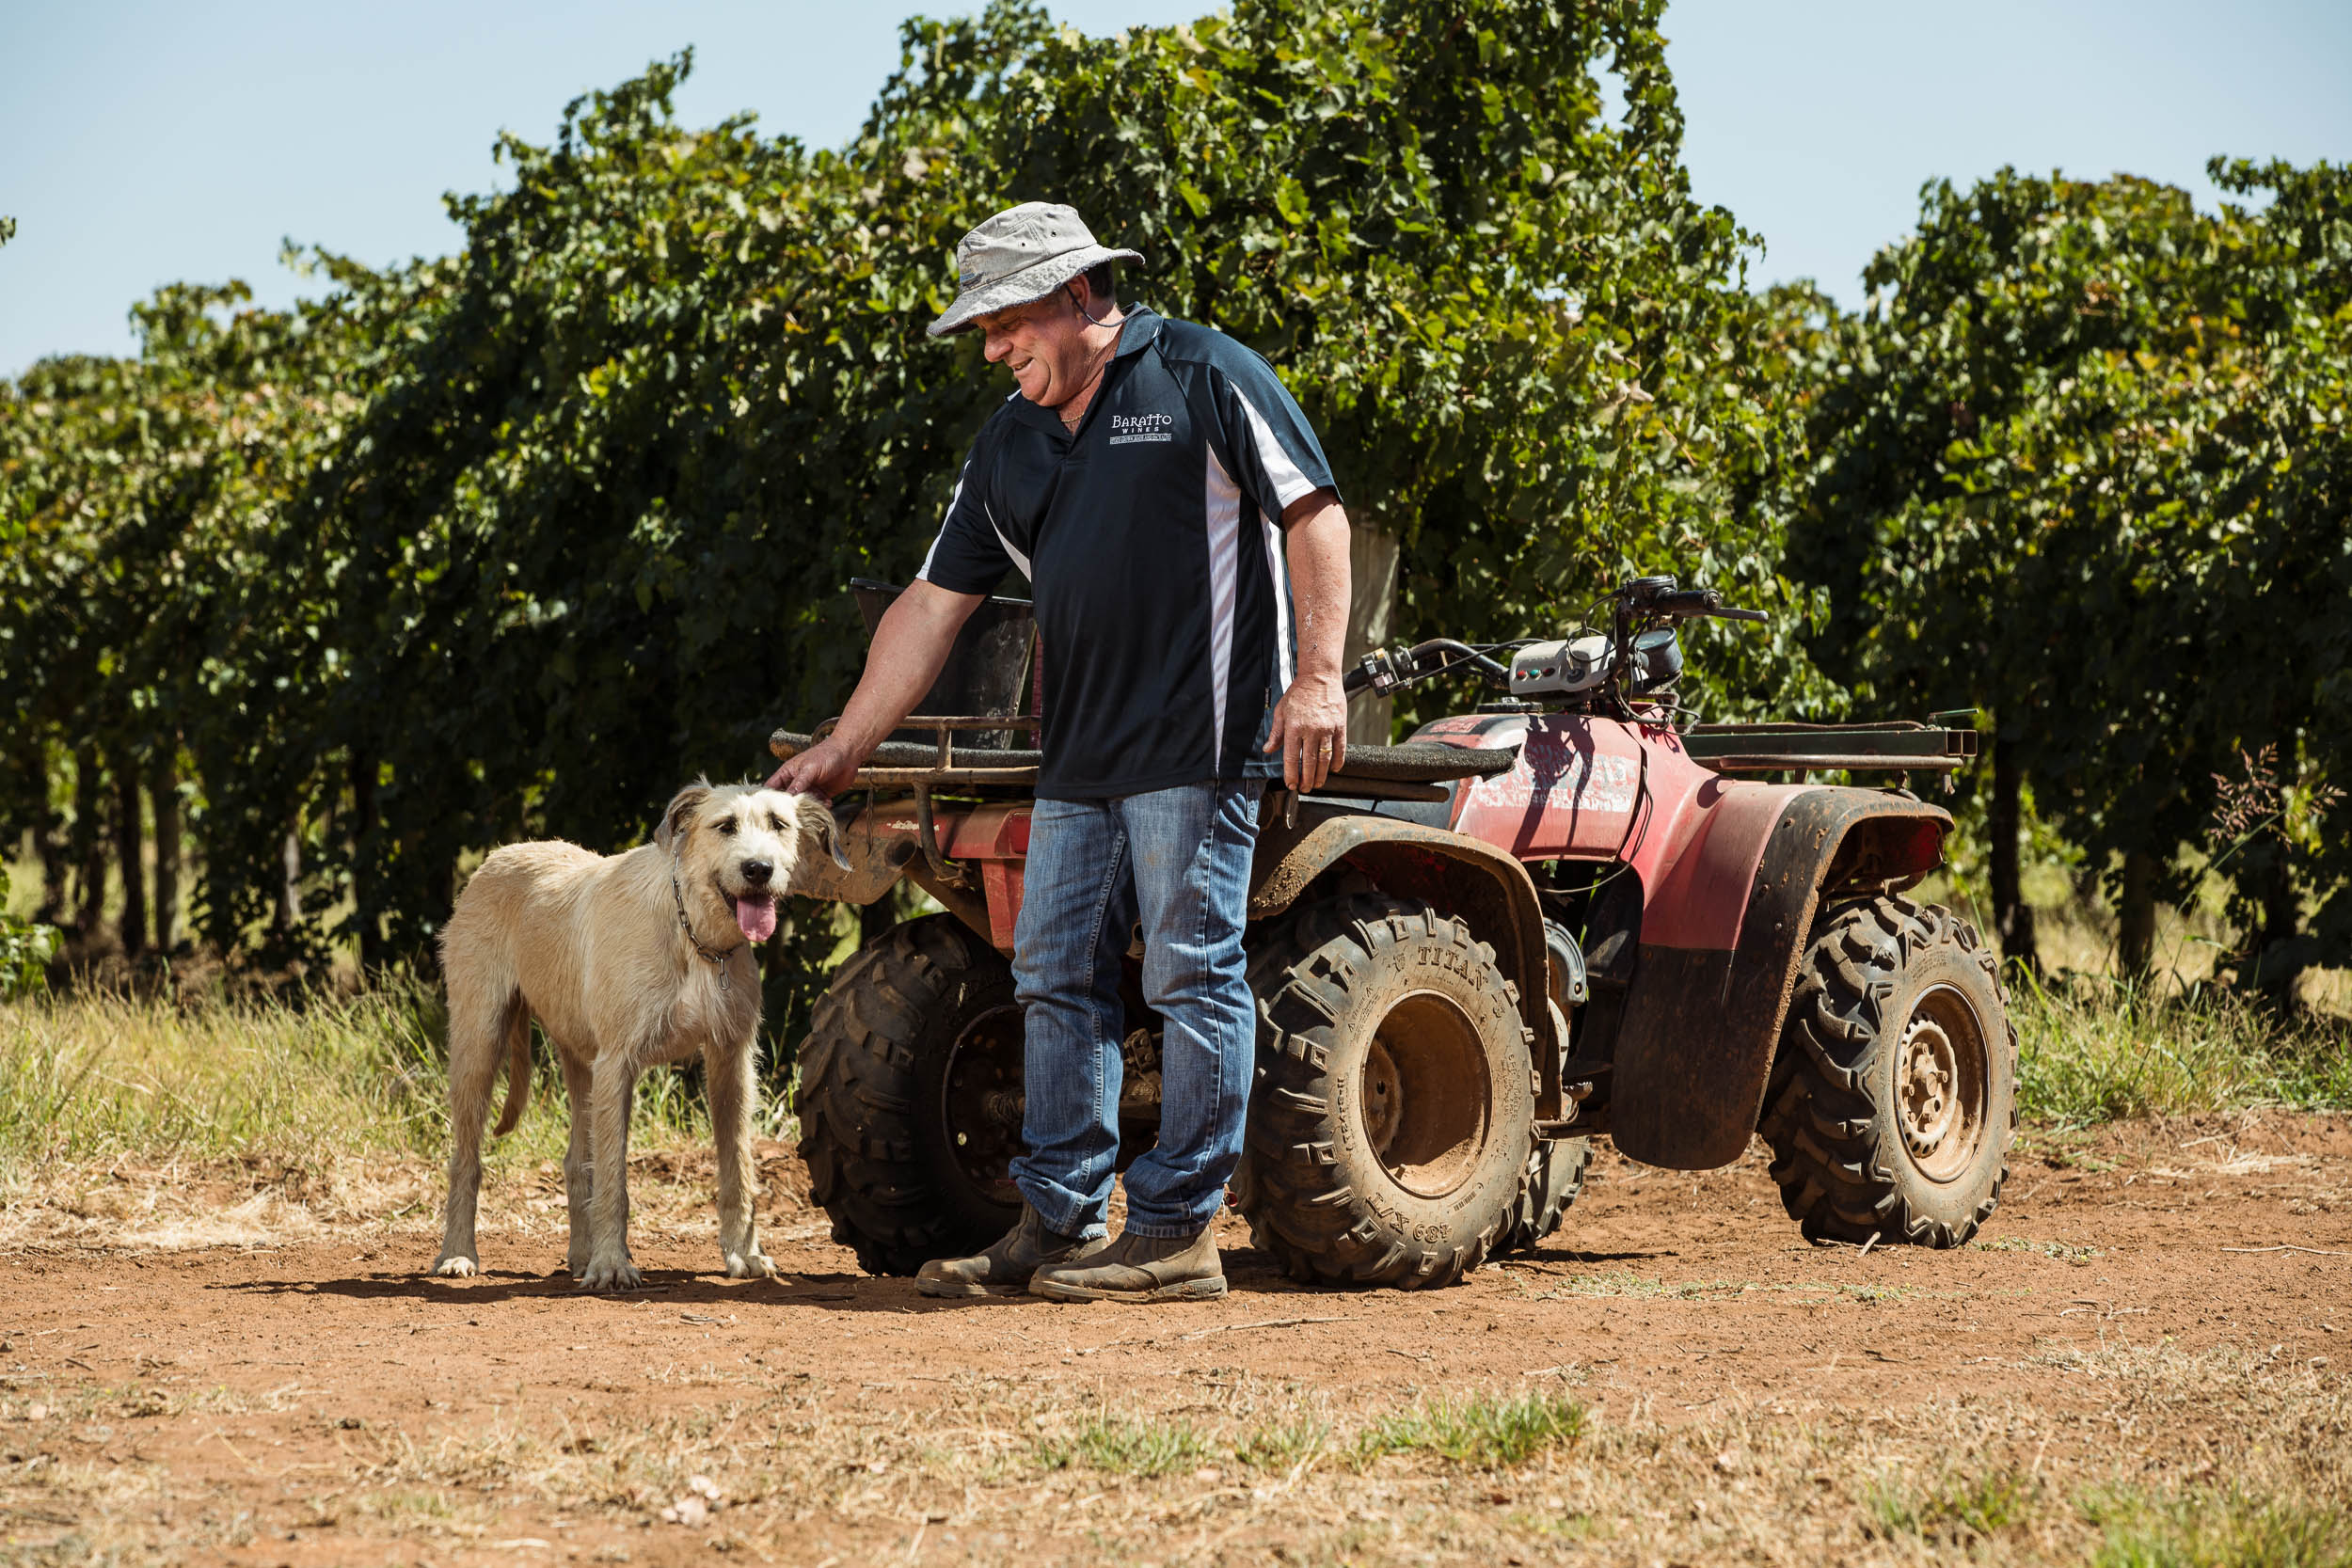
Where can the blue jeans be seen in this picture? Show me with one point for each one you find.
(1178, 860)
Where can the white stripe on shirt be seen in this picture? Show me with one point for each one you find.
(1018, 559)
(1224, 525)
(1288, 480)
(1281, 599)
(1014, 556)
(924, 575)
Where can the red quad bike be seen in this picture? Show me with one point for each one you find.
(1564, 915)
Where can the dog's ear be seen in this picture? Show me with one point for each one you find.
(827, 828)
(680, 811)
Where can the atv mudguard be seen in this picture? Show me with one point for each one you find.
(1451, 873)
(1712, 988)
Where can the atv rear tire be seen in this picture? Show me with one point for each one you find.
(1894, 1097)
(909, 1097)
(1554, 1175)
(1393, 1114)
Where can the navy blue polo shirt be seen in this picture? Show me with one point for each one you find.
(1152, 543)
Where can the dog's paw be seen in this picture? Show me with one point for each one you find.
(610, 1274)
(756, 1265)
(459, 1267)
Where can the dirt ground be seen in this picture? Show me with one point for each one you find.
(244, 1366)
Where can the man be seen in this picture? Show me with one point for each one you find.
(1179, 527)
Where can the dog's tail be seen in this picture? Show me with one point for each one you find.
(518, 1068)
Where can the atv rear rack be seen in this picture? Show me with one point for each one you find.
(1407, 772)
(910, 764)
(1902, 747)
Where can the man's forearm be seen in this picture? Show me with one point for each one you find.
(911, 644)
(1317, 525)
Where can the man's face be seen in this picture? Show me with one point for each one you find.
(1043, 345)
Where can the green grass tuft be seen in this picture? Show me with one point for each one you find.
(2095, 1050)
(1285, 1446)
(1952, 1507)
(1127, 1446)
(1484, 1432)
(2216, 1531)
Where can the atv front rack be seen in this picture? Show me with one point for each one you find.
(1903, 747)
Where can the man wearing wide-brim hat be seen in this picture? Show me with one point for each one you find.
(1177, 520)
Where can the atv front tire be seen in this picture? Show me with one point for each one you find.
(910, 1097)
(1393, 1113)
(1894, 1095)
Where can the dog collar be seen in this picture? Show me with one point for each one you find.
(717, 961)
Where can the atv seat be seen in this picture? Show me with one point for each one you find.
(1425, 762)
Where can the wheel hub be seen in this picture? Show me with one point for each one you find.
(1380, 1098)
(1940, 1085)
(1927, 1099)
(980, 1100)
(1424, 1094)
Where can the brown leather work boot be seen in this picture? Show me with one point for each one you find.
(1139, 1268)
(1003, 1269)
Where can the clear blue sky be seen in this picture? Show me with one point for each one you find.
(142, 143)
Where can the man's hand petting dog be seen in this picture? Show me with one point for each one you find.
(627, 961)
(825, 769)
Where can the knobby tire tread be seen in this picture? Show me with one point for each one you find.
(857, 1100)
(1820, 1120)
(1544, 1203)
(1301, 1212)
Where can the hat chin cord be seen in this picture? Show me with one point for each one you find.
(1092, 320)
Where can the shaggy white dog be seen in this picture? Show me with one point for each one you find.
(627, 961)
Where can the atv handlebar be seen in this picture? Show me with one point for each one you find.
(1636, 601)
(1384, 671)
(1692, 601)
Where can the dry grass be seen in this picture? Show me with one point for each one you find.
(97, 1076)
(210, 1124)
(2147, 1457)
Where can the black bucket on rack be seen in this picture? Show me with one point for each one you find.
(989, 673)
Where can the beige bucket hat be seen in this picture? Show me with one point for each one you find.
(1021, 254)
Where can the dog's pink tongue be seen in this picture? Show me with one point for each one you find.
(756, 915)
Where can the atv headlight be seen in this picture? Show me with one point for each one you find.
(1657, 661)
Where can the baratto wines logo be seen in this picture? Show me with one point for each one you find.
(1127, 429)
